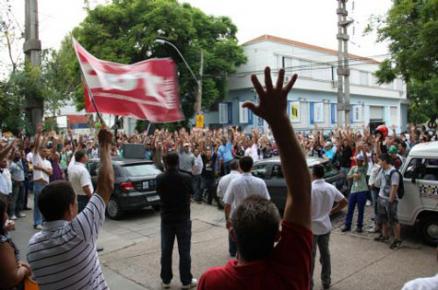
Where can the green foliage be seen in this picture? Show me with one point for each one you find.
(125, 32)
(411, 27)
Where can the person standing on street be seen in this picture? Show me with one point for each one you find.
(240, 188)
(225, 181)
(80, 179)
(175, 190)
(388, 201)
(63, 255)
(324, 195)
(358, 193)
(17, 174)
(197, 176)
(186, 159)
(42, 169)
(209, 172)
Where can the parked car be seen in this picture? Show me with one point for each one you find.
(134, 186)
(270, 171)
(419, 205)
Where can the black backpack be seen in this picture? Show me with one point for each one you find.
(401, 187)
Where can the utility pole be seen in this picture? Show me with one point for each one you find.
(343, 70)
(198, 103)
(32, 50)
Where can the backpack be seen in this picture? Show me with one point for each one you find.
(401, 187)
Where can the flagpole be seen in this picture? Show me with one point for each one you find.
(90, 93)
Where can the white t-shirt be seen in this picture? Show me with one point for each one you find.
(5, 182)
(39, 174)
(430, 283)
(252, 152)
(324, 196)
(243, 186)
(79, 177)
(29, 156)
(225, 181)
(197, 165)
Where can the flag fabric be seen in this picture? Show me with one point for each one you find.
(143, 90)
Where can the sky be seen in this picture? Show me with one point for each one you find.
(310, 21)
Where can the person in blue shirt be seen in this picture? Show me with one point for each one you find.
(329, 150)
(225, 155)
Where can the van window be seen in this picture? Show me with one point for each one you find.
(430, 171)
(260, 171)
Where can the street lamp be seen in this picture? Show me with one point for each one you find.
(198, 81)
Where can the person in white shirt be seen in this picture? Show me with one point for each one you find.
(239, 189)
(5, 183)
(324, 196)
(80, 179)
(197, 167)
(429, 283)
(63, 255)
(225, 181)
(42, 169)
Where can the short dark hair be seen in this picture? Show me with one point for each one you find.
(246, 163)
(256, 224)
(386, 157)
(318, 171)
(79, 155)
(55, 200)
(234, 164)
(171, 160)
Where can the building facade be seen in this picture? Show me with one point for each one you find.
(313, 101)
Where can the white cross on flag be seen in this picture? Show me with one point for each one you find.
(144, 90)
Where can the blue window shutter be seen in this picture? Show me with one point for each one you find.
(351, 115)
(333, 113)
(250, 117)
(230, 113)
(312, 112)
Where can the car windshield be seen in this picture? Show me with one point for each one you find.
(141, 169)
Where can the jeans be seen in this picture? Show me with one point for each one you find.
(375, 199)
(360, 199)
(28, 185)
(12, 201)
(322, 241)
(82, 202)
(37, 217)
(183, 233)
(197, 187)
(232, 246)
(18, 192)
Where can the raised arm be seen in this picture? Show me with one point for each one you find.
(273, 108)
(105, 178)
(5, 152)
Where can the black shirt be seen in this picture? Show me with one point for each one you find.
(346, 155)
(175, 189)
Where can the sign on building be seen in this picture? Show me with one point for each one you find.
(294, 109)
(200, 121)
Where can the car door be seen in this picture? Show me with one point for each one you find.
(278, 188)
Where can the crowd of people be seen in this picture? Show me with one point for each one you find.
(203, 165)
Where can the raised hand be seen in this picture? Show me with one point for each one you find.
(273, 100)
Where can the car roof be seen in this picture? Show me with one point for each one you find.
(125, 161)
(429, 149)
(311, 160)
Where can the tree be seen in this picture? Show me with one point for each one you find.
(411, 27)
(125, 31)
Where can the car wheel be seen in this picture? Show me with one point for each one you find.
(429, 230)
(113, 209)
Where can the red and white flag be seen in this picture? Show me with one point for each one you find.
(144, 90)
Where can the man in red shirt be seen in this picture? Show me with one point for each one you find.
(256, 222)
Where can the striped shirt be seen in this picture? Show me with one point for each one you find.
(63, 255)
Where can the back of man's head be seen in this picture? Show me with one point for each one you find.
(79, 155)
(55, 200)
(246, 163)
(171, 160)
(256, 228)
(234, 165)
(318, 171)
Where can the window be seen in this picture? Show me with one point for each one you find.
(363, 78)
(134, 170)
(260, 171)
(225, 113)
(245, 115)
(357, 113)
(305, 68)
(393, 112)
(318, 114)
(277, 171)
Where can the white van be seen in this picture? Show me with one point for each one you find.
(419, 205)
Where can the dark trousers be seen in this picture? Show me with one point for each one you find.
(232, 246)
(322, 241)
(197, 187)
(28, 185)
(209, 183)
(183, 233)
(360, 199)
(82, 202)
(18, 192)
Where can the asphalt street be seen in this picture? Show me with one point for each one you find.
(131, 256)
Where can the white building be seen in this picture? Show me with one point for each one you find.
(313, 100)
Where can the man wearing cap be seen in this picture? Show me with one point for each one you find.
(358, 194)
(186, 159)
(396, 160)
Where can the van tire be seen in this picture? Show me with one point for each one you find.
(429, 229)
